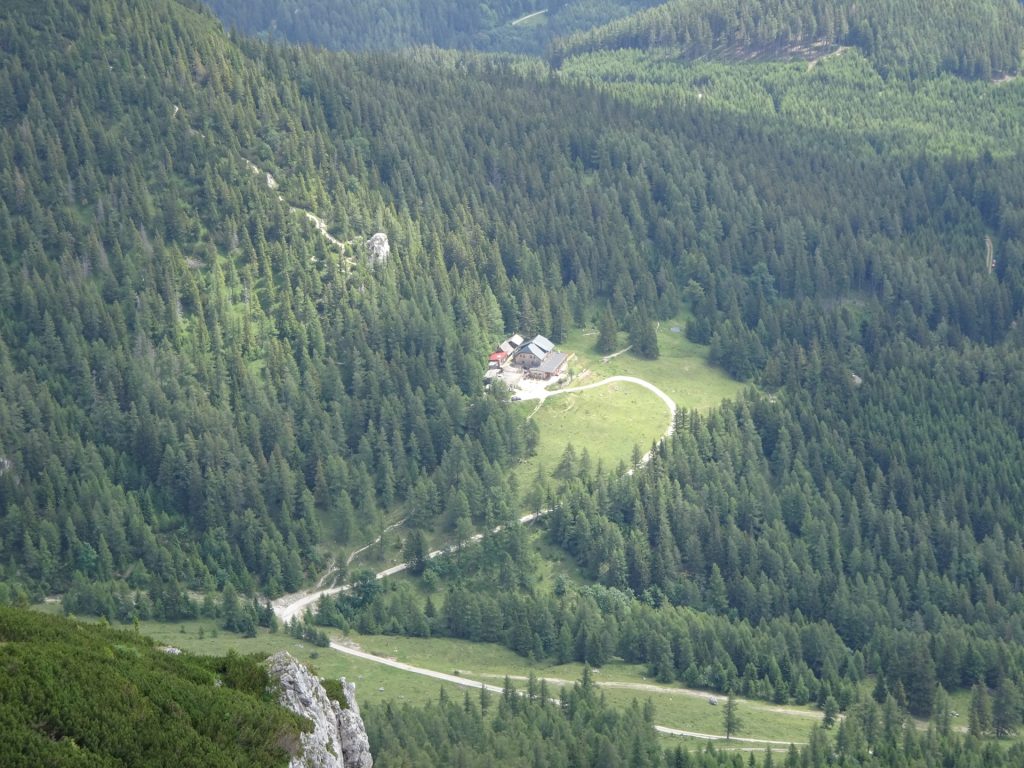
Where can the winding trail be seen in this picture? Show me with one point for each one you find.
(289, 606)
(351, 557)
(466, 682)
(544, 394)
(320, 224)
(613, 355)
(527, 17)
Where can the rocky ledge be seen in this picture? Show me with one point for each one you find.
(338, 739)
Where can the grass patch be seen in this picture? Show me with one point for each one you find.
(369, 677)
(486, 663)
(759, 720)
(621, 683)
(608, 422)
(682, 370)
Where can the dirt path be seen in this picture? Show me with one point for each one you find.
(320, 224)
(351, 557)
(837, 52)
(990, 259)
(660, 689)
(287, 607)
(528, 16)
(466, 682)
(613, 355)
(543, 394)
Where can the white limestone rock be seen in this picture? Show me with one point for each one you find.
(338, 739)
(378, 249)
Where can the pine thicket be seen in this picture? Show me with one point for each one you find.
(391, 24)
(79, 694)
(197, 386)
(912, 39)
(198, 389)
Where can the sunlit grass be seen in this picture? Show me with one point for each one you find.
(682, 370)
(610, 421)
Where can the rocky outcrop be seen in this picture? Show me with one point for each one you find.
(378, 249)
(338, 739)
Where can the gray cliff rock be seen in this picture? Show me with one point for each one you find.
(339, 737)
(378, 249)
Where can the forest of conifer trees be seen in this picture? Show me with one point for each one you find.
(202, 394)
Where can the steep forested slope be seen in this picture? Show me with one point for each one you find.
(496, 25)
(193, 378)
(981, 38)
(199, 389)
(77, 694)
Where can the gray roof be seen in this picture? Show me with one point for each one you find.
(543, 343)
(552, 362)
(515, 340)
(532, 349)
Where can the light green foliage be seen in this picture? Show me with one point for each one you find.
(77, 694)
(905, 38)
(840, 92)
(494, 25)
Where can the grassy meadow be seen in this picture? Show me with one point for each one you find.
(610, 421)
(682, 370)
(487, 663)
(621, 684)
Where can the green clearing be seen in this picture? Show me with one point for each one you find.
(368, 676)
(607, 421)
(682, 370)
(488, 663)
(621, 684)
(758, 720)
(610, 421)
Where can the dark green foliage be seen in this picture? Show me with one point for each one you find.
(731, 722)
(335, 692)
(643, 337)
(197, 390)
(581, 730)
(979, 718)
(607, 333)
(906, 38)
(733, 497)
(390, 24)
(518, 730)
(1006, 708)
(80, 694)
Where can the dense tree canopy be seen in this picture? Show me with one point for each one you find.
(76, 694)
(391, 24)
(201, 390)
(906, 38)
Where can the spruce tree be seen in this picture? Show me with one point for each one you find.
(731, 721)
(607, 332)
(1006, 709)
(979, 718)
